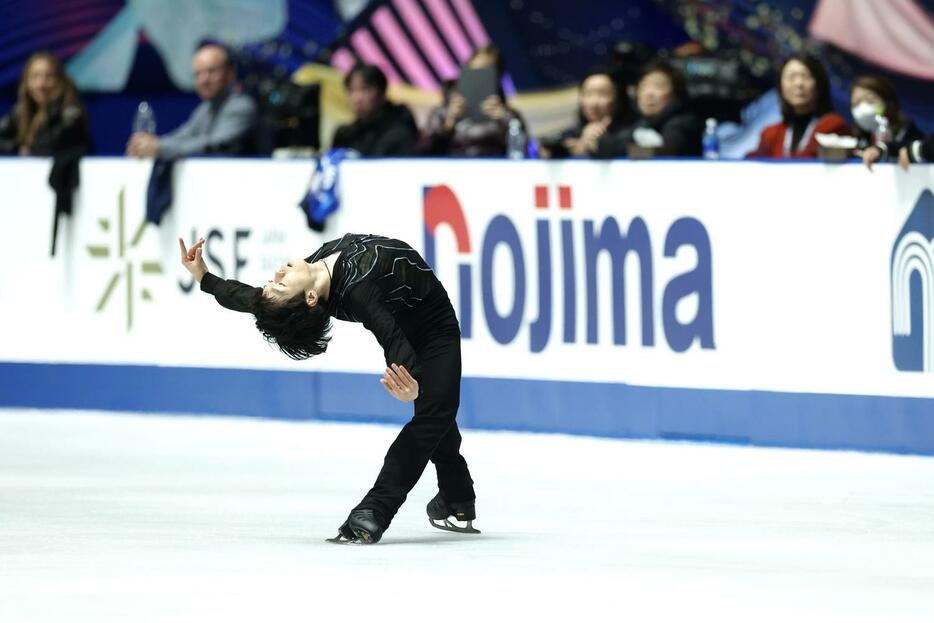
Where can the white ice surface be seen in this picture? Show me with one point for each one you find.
(136, 518)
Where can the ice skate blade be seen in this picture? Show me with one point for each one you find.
(451, 527)
(360, 538)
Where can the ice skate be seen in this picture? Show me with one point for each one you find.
(361, 528)
(441, 513)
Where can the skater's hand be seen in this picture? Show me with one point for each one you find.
(400, 383)
(192, 260)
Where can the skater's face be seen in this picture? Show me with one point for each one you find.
(293, 278)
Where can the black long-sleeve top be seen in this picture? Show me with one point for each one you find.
(376, 281)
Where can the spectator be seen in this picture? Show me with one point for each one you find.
(661, 103)
(221, 124)
(804, 93)
(872, 97)
(48, 118)
(602, 106)
(450, 131)
(380, 128)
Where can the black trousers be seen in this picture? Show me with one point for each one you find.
(432, 433)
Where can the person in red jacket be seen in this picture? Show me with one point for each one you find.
(804, 90)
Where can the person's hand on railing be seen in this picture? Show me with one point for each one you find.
(143, 145)
(871, 155)
(904, 159)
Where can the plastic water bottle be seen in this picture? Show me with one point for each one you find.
(515, 140)
(883, 133)
(711, 141)
(145, 119)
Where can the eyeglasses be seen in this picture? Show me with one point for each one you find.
(216, 69)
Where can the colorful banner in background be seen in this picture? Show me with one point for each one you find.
(679, 299)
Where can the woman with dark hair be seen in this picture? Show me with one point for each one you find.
(873, 98)
(380, 127)
(48, 118)
(387, 286)
(603, 107)
(662, 106)
(450, 131)
(804, 92)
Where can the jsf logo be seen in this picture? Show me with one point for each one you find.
(119, 254)
(913, 290)
(580, 239)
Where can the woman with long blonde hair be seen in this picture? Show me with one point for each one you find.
(48, 117)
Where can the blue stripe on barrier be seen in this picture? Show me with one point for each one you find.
(876, 423)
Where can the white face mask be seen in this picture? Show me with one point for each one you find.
(864, 114)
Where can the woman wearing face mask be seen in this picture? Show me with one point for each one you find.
(872, 99)
(804, 91)
(661, 103)
(603, 107)
(48, 118)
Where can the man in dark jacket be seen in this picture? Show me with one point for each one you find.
(380, 128)
(385, 285)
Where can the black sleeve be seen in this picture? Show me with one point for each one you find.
(400, 136)
(614, 144)
(683, 136)
(231, 293)
(376, 317)
(399, 140)
(7, 134)
(72, 134)
(927, 149)
(341, 137)
(912, 133)
(890, 149)
(555, 142)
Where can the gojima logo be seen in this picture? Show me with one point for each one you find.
(555, 270)
(913, 289)
(124, 270)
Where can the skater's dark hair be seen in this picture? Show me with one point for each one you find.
(299, 331)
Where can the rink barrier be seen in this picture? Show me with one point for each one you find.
(825, 421)
(594, 298)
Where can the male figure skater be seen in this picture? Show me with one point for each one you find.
(387, 286)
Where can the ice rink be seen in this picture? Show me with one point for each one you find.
(123, 517)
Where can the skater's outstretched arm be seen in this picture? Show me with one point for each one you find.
(230, 293)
